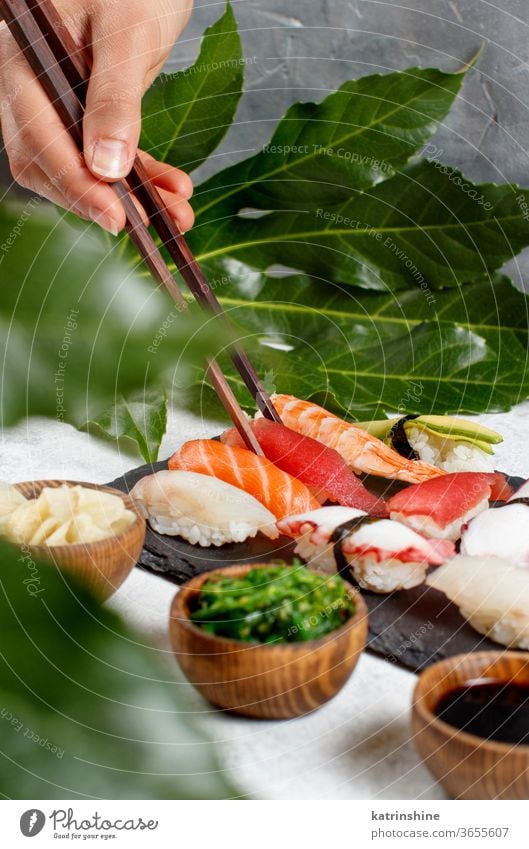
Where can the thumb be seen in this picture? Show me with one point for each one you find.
(112, 120)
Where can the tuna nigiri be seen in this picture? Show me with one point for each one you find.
(382, 555)
(440, 507)
(361, 451)
(322, 469)
(280, 493)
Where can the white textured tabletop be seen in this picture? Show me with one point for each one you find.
(357, 746)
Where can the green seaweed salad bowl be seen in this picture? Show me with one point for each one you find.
(268, 641)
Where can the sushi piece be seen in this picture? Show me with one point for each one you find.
(382, 555)
(279, 492)
(491, 593)
(501, 531)
(322, 469)
(314, 529)
(361, 451)
(441, 506)
(201, 509)
(449, 443)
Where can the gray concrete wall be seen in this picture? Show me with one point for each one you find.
(306, 48)
(302, 49)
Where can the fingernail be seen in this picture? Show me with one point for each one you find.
(187, 194)
(104, 221)
(110, 158)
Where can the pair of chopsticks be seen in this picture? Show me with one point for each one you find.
(63, 72)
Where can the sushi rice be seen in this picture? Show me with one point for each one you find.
(449, 454)
(385, 576)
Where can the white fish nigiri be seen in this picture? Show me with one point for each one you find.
(491, 593)
(202, 509)
(383, 555)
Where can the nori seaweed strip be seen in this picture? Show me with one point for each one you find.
(514, 501)
(399, 440)
(340, 533)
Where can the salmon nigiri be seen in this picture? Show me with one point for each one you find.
(361, 451)
(280, 493)
(320, 468)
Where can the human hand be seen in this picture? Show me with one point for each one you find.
(127, 43)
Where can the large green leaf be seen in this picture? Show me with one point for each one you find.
(79, 328)
(88, 710)
(140, 418)
(319, 152)
(186, 114)
(463, 350)
(422, 228)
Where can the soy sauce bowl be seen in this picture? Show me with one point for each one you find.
(278, 681)
(468, 766)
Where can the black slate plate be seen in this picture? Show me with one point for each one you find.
(411, 628)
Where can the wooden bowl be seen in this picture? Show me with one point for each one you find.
(102, 565)
(470, 767)
(266, 681)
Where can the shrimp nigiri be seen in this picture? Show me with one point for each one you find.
(361, 451)
(278, 491)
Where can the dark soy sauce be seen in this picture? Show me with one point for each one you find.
(496, 710)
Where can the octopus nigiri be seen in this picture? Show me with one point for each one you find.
(201, 509)
(382, 555)
(361, 451)
(320, 468)
(280, 493)
(501, 531)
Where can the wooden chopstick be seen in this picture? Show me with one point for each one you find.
(23, 20)
(76, 70)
